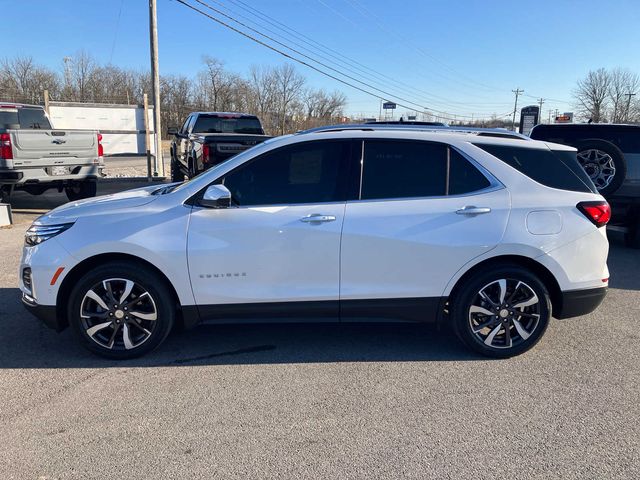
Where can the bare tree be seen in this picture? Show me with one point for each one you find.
(622, 83)
(289, 85)
(591, 95)
(22, 80)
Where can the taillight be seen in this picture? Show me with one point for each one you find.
(205, 153)
(598, 212)
(5, 146)
(100, 147)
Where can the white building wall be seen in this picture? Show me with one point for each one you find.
(121, 126)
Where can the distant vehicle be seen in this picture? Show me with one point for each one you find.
(407, 122)
(207, 138)
(491, 234)
(610, 154)
(35, 157)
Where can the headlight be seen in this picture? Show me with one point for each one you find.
(39, 233)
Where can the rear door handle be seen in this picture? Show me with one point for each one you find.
(473, 210)
(317, 218)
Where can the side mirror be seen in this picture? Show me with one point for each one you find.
(216, 196)
(172, 131)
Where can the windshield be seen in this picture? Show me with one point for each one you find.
(218, 124)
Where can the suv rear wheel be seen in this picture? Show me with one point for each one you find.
(121, 310)
(502, 312)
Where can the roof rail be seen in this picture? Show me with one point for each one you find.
(370, 127)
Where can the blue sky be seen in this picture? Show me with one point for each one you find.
(463, 57)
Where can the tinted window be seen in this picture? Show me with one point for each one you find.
(303, 173)
(464, 177)
(8, 118)
(543, 166)
(220, 124)
(396, 169)
(33, 118)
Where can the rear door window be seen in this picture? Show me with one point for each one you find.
(412, 169)
(553, 169)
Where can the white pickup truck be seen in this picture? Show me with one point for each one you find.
(35, 157)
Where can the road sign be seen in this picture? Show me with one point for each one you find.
(529, 118)
(389, 106)
(566, 117)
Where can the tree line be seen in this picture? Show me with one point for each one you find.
(608, 96)
(279, 95)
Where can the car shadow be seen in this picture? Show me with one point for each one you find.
(29, 344)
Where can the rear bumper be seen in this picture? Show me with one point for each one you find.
(580, 302)
(47, 314)
(27, 176)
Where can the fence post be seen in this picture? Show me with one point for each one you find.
(147, 141)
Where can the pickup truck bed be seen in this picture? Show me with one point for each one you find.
(35, 157)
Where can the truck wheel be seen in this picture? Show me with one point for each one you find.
(78, 191)
(4, 194)
(604, 163)
(176, 172)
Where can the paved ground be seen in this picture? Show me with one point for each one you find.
(327, 401)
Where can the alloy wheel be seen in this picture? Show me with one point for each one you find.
(504, 313)
(118, 314)
(599, 165)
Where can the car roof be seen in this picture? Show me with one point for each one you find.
(19, 105)
(238, 114)
(413, 128)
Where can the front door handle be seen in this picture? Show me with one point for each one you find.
(317, 218)
(473, 210)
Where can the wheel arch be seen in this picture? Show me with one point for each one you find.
(542, 272)
(186, 316)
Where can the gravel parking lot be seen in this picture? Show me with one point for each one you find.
(321, 401)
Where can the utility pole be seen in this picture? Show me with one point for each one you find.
(629, 95)
(550, 112)
(517, 91)
(540, 102)
(155, 79)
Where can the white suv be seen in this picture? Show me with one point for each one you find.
(484, 230)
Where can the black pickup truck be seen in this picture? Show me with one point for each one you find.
(610, 154)
(208, 138)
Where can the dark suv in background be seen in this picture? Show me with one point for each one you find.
(610, 154)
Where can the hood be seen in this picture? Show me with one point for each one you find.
(104, 204)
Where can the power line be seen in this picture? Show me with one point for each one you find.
(348, 63)
(291, 57)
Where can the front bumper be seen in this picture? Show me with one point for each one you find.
(580, 302)
(48, 314)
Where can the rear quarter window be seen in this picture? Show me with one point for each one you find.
(558, 169)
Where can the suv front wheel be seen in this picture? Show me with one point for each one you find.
(502, 312)
(121, 310)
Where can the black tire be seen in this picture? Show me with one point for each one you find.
(88, 318)
(520, 285)
(80, 190)
(604, 183)
(4, 194)
(176, 173)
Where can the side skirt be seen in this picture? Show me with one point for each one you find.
(426, 310)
